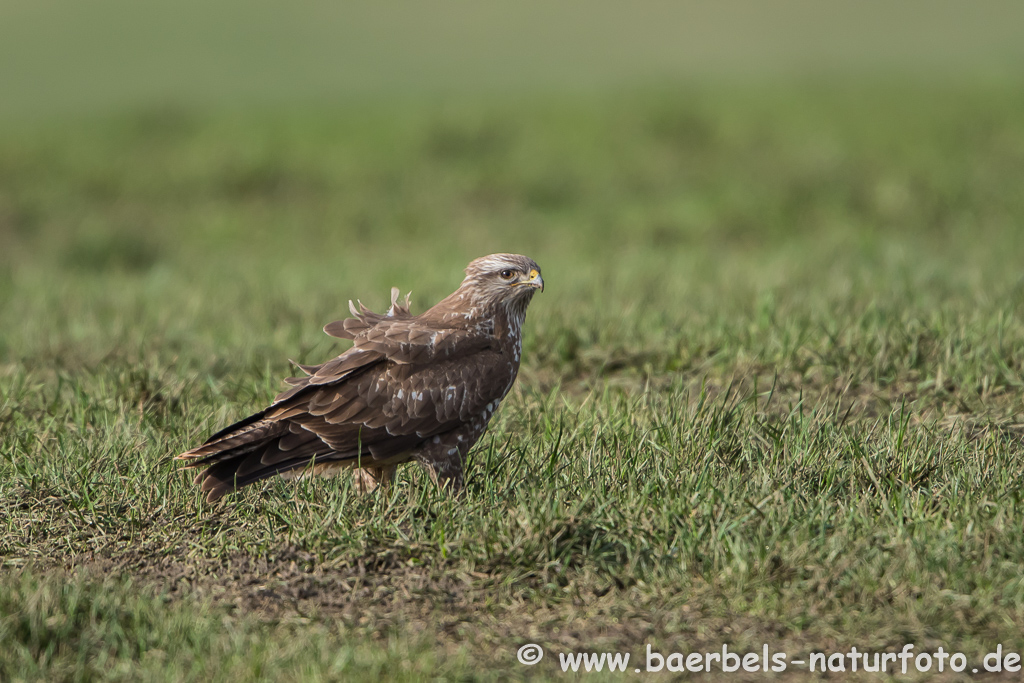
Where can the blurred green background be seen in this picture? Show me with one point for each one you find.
(329, 151)
(474, 126)
(64, 58)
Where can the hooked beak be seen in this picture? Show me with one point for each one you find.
(535, 281)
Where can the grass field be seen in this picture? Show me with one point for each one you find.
(772, 393)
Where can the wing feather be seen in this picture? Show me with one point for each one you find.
(403, 381)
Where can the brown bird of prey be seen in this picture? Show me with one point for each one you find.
(412, 387)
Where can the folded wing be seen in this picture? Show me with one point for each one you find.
(401, 383)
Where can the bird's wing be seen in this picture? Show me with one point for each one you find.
(363, 318)
(400, 385)
(397, 396)
(402, 338)
(392, 405)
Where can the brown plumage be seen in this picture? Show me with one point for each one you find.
(411, 388)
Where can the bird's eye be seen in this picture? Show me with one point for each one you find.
(506, 274)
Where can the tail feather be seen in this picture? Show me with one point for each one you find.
(223, 477)
(226, 476)
(260, 452)
(236, 427)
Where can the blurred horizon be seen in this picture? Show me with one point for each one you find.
(66, 60)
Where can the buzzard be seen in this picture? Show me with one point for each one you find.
(412, 387)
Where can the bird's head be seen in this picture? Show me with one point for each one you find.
(509, 279)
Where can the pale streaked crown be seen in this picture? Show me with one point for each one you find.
(503, 277)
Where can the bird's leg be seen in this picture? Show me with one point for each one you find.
(442, 457)
(446, 474)
(367, 479)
